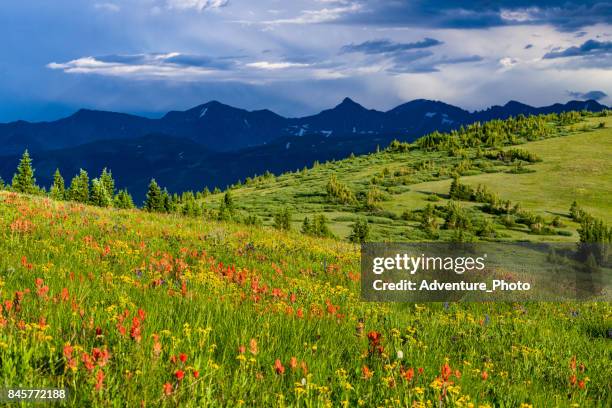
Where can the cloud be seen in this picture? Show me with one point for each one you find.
(110, 7)
(189, 67)
(385, 46)
(569, 15)
(590, 48)
(275, 65)
(199, 5)
(160, 65)
(324, 15)
(591, 95)
(508, 62)
(418, 65)
(409, 57)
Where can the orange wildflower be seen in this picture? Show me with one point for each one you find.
(367, 373)
(253, 346)
(278, 366)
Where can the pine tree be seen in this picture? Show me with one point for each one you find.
(282, 219)
(58, 189)
(109, 183)
(456, 217)
(155, 200)
(576, 212)
(429, 221)
(24, 181)
(228, 201)
(306, 226)
(123, 200)
(320, 228)
(99, 196)
(2, 185)
(169, 205)
(361, 231)
(79, 188)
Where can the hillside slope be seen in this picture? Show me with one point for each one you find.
(129, 308)
(574, 166)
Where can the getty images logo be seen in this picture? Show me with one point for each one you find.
(412, 264)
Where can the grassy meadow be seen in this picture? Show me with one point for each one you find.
(574, 166)
(127, 308)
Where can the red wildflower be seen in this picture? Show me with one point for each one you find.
(88, 362)
(183, 357)
(99, 380)
(293, 363)
(446, 371)
(179, 374)
(408, 375)
(196, 374)
(581, 384)
(65, 296)
(241, 349)
(68, 350)
(374, 339)
(573, 380)
(484, 376)
(278, 366)
(135, 332)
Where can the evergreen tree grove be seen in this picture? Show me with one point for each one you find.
(123, 200)
(79, 187)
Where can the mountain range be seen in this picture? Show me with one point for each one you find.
(215, 144)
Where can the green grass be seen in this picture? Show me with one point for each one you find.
(83, 274)
(574, 166)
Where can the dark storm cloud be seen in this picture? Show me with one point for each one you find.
(418, 65)
(590, 48)
(591, 95)
(565, 16)
(385, 46)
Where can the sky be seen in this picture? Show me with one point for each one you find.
(298, 57)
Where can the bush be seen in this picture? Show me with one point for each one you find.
(360, 232)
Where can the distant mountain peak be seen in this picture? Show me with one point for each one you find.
(349, 104)
(515, 104)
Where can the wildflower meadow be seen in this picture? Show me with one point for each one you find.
(129, 308)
